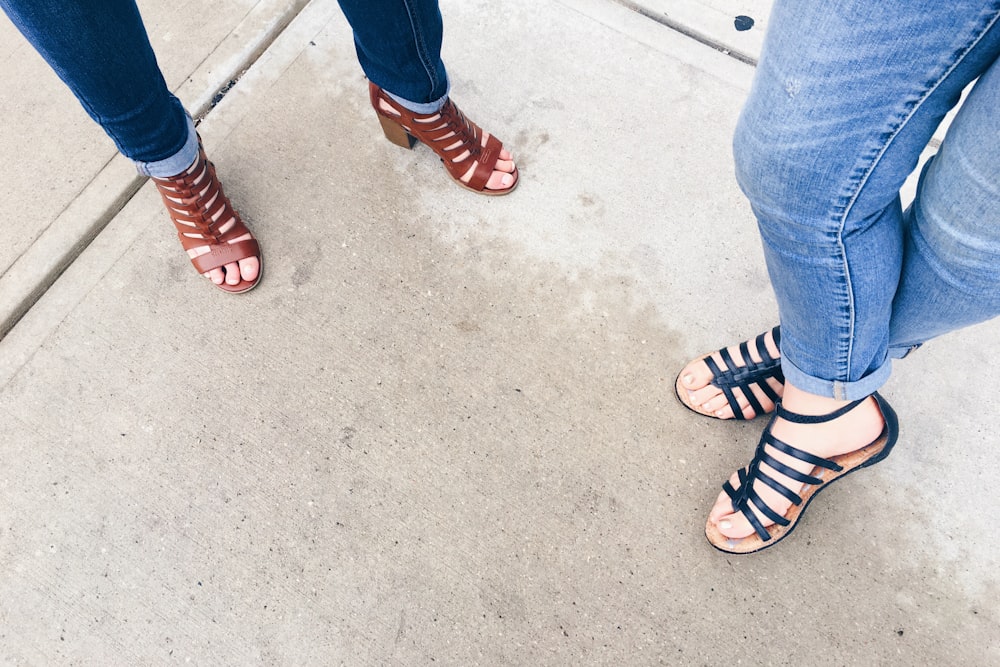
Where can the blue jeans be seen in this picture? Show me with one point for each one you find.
(100, 49)
(847, 95)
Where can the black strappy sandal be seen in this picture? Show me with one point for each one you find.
(825, 472)
(743, 377)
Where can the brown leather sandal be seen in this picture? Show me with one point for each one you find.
(456, 140)
(200, 209)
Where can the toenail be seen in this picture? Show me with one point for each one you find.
(725, 524)
(688, 379)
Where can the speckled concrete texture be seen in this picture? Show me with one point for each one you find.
(442, 430)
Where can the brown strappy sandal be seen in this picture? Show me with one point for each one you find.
(456, 140)
(200, 209)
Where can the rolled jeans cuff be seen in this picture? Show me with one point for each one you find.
(843, 391)
(177, 162)
(421, 108)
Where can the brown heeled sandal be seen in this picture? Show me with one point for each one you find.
(453, 137)
(200, 209)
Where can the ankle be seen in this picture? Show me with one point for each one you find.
(804, 403)
(850, 431)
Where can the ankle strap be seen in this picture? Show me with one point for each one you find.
(817, 419)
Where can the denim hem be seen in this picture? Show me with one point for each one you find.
(902, 351)
(177, 162)
(842, 391)
(418, 107)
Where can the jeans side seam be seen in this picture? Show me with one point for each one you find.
(421, 46)
(849, 286)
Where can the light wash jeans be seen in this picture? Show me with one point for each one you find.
(847, 95)
(100, 49)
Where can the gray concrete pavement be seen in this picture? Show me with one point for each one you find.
(442, 430)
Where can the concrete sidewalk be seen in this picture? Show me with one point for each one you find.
(442, 430)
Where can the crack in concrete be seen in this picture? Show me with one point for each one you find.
(696, 35)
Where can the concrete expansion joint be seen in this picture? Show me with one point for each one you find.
(663, 19)
(66, 237)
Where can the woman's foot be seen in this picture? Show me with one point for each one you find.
(472, 156)
(747, 375)
(854, 431)
(211, 231)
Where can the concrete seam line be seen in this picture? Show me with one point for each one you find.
(696, 35)
(17, 299)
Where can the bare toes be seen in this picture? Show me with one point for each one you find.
(232, 273)
(504, 165)
(696, 375)
(500, 180)
(249, 268)
(723, 505)
(217, 276)
(734, 526)
(719, 406)
(731, 524)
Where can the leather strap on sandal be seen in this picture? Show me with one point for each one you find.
(736, 376)
(449, 133)
(199, 210)
(746, 495)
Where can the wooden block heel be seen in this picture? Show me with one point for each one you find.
(395, 133)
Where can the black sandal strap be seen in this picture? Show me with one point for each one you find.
(726, 390)
(771, 393)
(758, 409)
(817, 419)
(764, 509)
(789, 495)
(748, 502)
(797, 453)
(750, 373)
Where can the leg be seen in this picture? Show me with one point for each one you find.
(951, 260)
(100, 49)
(823, 146)
(399, 47)
(826, 180)
(822, 149)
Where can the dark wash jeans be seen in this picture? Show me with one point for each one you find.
(100, 49)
